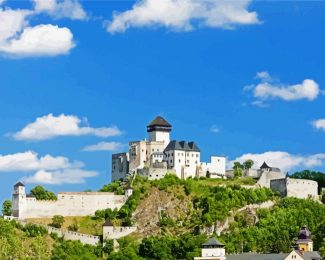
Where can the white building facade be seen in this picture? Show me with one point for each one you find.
(183, 158)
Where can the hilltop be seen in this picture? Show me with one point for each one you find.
(175, 216)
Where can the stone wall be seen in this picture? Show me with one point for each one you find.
(298, 188)
(70, 235)
(301, 188)
(111, 232)
(267, 177)
(68, 204)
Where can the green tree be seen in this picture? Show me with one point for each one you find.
(57, 221)
(7, 208)
(248, 164)
(238, 169)
(41, 194)
(40, 249)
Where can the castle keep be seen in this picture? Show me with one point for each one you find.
(154, 157)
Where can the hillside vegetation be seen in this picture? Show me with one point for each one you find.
(174, 217)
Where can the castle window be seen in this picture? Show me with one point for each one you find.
(179, 160)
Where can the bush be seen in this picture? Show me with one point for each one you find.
(57, 221)
(32, 230)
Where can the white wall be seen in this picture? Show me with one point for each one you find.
(110, 232)
(69, 204)
(160, 137)
(216, 167)
(301, 188)
(184, 163)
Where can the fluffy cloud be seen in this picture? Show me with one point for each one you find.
(104, 146)
(283, 160)
(48, 169)
(268, 88)
(66, 176)
(319, 124)
(12, 21)
(61, 9)
(49, 126)
(19, 39)
(182, 15)
(30, 161)
(41, 40)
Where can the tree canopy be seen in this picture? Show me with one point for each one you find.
(42, 194)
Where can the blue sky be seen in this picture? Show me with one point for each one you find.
(243, 80)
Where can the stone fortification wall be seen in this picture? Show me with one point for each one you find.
(301, 188)
(70, 235)
(266, 177)
(298, 188)
(65, 234)
(110, 232)
(69, 204)
(279, 185)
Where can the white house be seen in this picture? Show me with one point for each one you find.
(183, 158)
(212, 250)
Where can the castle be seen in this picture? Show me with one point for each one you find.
(275, 179)
(154, 157)
(67, 203)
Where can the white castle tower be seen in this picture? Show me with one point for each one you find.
(18, 198)
(159, 131)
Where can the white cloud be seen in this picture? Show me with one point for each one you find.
(319, 124)
(20, 40)
(12, 22)
(269, 89)
(184, 15)
(48, 169)
(30, 161)
(65, 176)
(283, 160)
(49, 126)
(214, 129)
(41, 40)
(61, 9)
(104, 146)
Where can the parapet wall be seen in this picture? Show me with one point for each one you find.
(111, 232)
(301, 188)
(267, 177)
(298, 188)
(69, 204)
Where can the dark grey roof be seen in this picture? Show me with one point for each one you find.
(273, 169)
(182, 146)
(107, 223)
(304, 233)
(265, 166)
(281, 256)
(159, 121)
(256, 256)
(18, 184)
(212, 242)
(312, 256)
